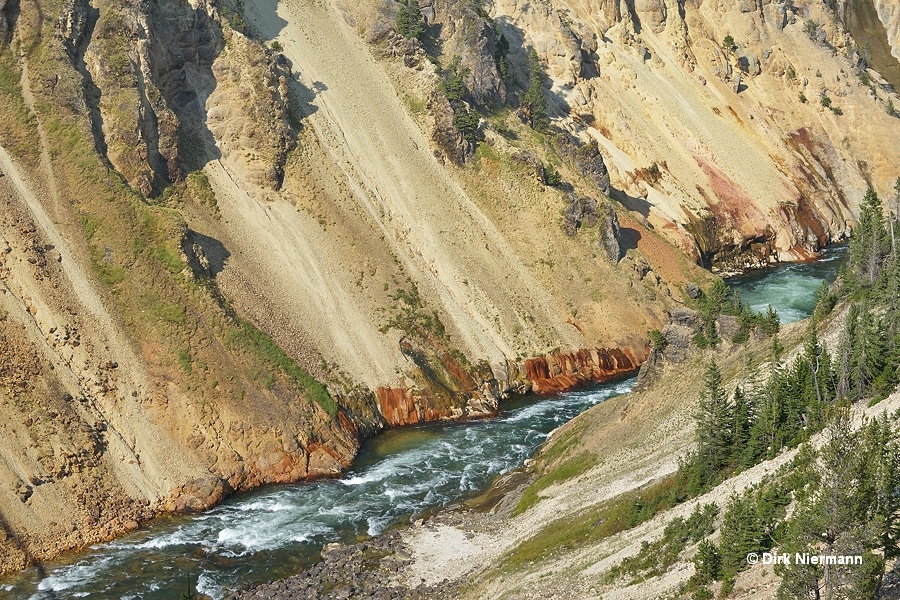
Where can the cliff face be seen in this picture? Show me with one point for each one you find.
(731, 153)
(560, 371)
(889, 13)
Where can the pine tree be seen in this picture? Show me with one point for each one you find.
(845, 349)
(501, 50)
(766, 433)
(743, 424)
(883, 449)
(868, 246)
(819, 387)
(416, 24)
(866, 353)
(839, 514)
(464, 119)
(401, 23)
(534, 104)
(714, 425)
(741, 533)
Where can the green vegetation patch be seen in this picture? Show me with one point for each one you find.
(410, 315)
(18, 126)
(656, 557)
(594, 524)
(248, 337)
(566, 470)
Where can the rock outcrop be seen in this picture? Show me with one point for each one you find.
(586, 158)
(165, 63)
(581, 211)
(562, 371)
(609, 235)
(465, 32)
(6, 21)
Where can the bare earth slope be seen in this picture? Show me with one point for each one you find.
(397, 218)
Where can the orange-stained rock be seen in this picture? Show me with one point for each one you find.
(564, 371)
(552, 374)
(400, 407)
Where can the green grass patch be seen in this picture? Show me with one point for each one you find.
(162, 310)
(200, 189)
(485, 150)
(415, 105)
(169, 258)
(593, 524)
(568, 469)
(558, 447)
(110, 274)
(184, 360)
(250, 338)
(18, 126)
(89, 224)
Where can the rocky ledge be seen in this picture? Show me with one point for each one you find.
(364, 570)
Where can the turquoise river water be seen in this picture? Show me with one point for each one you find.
(399, 475)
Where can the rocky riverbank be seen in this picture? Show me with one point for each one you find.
(367, 569)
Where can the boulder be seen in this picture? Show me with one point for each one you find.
(749, 63)
(581, 210)
(587, 158)
(609, 235)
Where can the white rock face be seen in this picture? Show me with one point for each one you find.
(889, 13)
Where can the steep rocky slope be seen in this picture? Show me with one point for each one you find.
(180, 190)
(626, 444)
(140, 291)
(726, 128)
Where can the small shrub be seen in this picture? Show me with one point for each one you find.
(802, 97)
(740, 337)
(658, 340)
(184, 360)
(812, 29)
(552, 176)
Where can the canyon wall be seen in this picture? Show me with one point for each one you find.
(238, 238)
(741, 155)
(889, 13)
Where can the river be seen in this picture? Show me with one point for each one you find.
(399, 475)
(790, 288)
